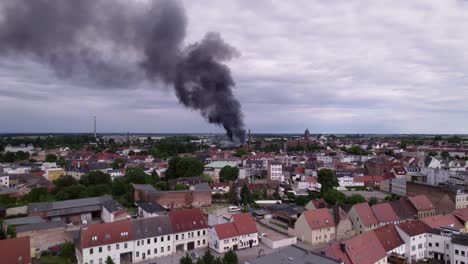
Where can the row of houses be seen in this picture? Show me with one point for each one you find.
(440, 238)
(131, 241)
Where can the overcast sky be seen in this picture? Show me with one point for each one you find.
(361, 66)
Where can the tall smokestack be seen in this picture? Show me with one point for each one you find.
(94, 127)
(121, 43)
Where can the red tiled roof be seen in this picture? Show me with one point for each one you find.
(365, 249)
(226, 230)
(366, 214)
(385, 212)
(15, 250)
(442, 220)
(245, 223)
(220, 184)
(421, 202)
(461, 214)
(311, 179)
(388, 237)
(334, 251)
(319, 218)
(399, 170)
(414, 227)
(187, 220)
(404, 209)
(105, 233)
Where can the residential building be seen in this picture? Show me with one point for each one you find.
(344, 226)
(98, 241)
(152, 237)
(15, 250)
(439, 243)
(437, 221)
(315, 227)
(390, 239)
(459, 249)
(363, 218)
(415, 237)
(52, 174)
(215, 167)
(189, 228)
(43, 235)
(348, 181)
(462, 215)
(240, 233)
(275, 171)
(220, 187)
(423, 205)
(5, 180)
(385, 213)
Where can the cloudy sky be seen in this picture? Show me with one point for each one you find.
(361, 66)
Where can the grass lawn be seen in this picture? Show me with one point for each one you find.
(51, 260)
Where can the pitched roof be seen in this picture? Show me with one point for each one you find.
(319, 218)
(385, 213)
(335, 251)
(339, 214)
(404, 209)
(105, 233)
(151, 227)
(151, 207)
(245, 223)
(442, 220)
(421, 202)
(461, 214)
(414, 227)
(365, 249)
(226, 230)
(366, 214)
(187, 220)
(388, 237)
(16, 250)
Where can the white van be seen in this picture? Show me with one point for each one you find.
(234, 209)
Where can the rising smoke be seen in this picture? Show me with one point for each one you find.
(120, 43)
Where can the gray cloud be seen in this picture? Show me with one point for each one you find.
(332, 66)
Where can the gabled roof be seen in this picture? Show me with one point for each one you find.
(151, 227)
(404, 209)
(339, 214)
(421, 202)
(366, 214)
(461, 214)
(365, 249)
(414, 227)
(187, 220)
(388, 237)
(385, 213)
(105, 233)
(244, 223)
(319, 218)
(16, 250)
(226, 230)
(442, 220)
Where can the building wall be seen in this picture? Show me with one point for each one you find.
(199, 237)
(459, 258)
(344, 229)
(358, 226)
(303, 232)
(41, 240)
(5, 181)
(438, 245)
(415, 247)
(153, 247)
(53, 174)
(422, 214)
(461, 201)
(112, 250)
(176, 199)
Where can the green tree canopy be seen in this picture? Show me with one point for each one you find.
(332, 196)
(355, 199)
(51, 158)
(228, 173)
(186, 259)
(373, 200)
(230, 257)
(184, 167)
(246, 195)
(109, 260)
(64, 181)
(95, 178)
(327, 179)
(241, 152)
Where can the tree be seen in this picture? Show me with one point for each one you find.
(186, 259)
(61, 161)
(373, 200)
(95, 178)
(206, 177)
(118, 163)
(356, 150)
(332, 196)
(230, 257)
(432, 153)
(327, 179)
(180, 187)
(355, 199)
(445, 154)
(241, 152)
(228, 173)
(232, 196)
(67, 250)
(208, 258)
(64, 181)
(246, 195)
(37, 195)
(131, 153)
(109, 260)
(184, 167)
(21, 155)
(51, 158)
(301, 200)
(11, 232)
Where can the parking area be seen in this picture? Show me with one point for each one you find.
(367, 194)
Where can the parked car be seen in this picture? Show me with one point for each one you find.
(195, 255)
(234, 209)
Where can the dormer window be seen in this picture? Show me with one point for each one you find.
(94, 238)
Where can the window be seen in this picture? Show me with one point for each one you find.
(430, 244)
(204, 242)
(138, 254)
(117, 246)
(203, 232)
(437, 244)
(168, 238)
(168, 248)
(100, 260)
(176, 237)
(456, 252)
(413, 248)
(182, 236)
(155, 240)
(125, 245)
(149, 252)
(198, 241)
(109, 248)
(198, 233)
(225, 241)
(162, 239)
(94, 238)
(155, 251)
(420, 246)
(100, 249)
(91, 261)
(91, 251)
(142, 242)
(138, 242)
(162, 249)
(148, 241)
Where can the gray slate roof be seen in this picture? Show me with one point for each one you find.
(143, 187)
(151, 227)
(112, 205)
(37, 207)
(151, 207)
(202, 187)
(24, 220)
(294, 255)
(39, 226)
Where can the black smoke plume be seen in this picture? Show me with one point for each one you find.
(120, 43)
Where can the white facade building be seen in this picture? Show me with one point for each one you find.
(5, 180)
